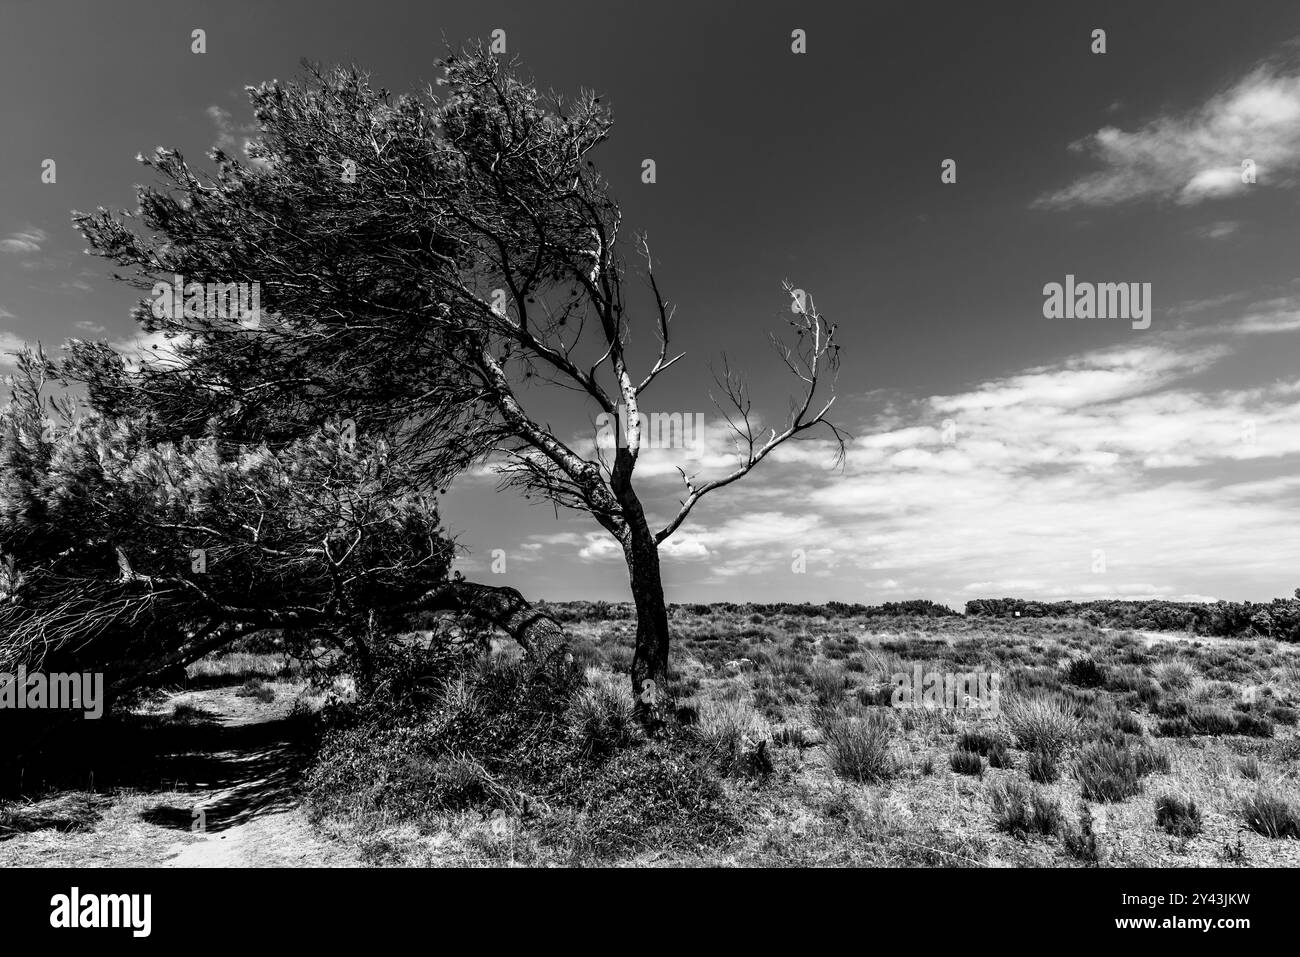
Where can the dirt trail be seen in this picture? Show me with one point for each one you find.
(232, 800)
(248, 813)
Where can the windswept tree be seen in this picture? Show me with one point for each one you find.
(421, 258)
(132, 556)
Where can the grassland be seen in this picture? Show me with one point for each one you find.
(1106, 748)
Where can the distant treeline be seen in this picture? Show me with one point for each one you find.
(615, 611)
(1278, 619)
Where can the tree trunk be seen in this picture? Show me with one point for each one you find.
(650, 662)
(540, 635)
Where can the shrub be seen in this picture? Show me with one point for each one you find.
(790, 736)
(441, 731)
(655, 796)
(980, 741)
(1254, 725)
(1150, 759)
(1284, 715)
(1178, 816)
(1213, 720)
(1042, 767)
(1127, 678)
(734, 737)
(1269, 813)
(1175, 675)
(1127, 723)
(858, 743)
(987, 744)
(256, 688)
(602, 716)
(1019, 813)
(999, 756)
(828, 684)
(1043, 722)
(1010, 800)
(967, 762)
(1107, 772)
(1085, 672)
(1081, 842)
(880, 696)
(1045, 814)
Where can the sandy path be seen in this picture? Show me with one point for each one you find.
(238, 804)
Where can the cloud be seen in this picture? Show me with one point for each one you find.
(1168, 457)
(1220, 230)
(1150, 456)
(1197, 156)
(1274, 315)
(9, 344)
(26, 242)
(232, 137)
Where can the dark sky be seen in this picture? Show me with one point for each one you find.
(1073, 437)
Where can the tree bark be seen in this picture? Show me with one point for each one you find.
(540, 635)
(650, 661)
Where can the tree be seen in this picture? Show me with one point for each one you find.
(131, 556)
(420, 259)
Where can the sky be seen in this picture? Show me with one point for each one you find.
(995, 450)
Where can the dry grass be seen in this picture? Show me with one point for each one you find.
(854, 782)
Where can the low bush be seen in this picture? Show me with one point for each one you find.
(1178, 816)
(1107, 772)
(1269, 813)
(967, 762)
(858, 742)
(1042, 767)
(1020, 813)
(1043, 722)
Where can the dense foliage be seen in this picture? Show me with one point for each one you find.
(126, 553)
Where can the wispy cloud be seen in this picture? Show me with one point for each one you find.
(1018, 484)
(1196, 156)
(9, 344)
(1220, 230)
(25, 242)
(232, 137)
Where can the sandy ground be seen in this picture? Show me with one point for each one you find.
(238, 808)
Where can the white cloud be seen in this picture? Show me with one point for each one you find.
(1184, 489)
(232, 137)
(1196, 156)
(1218, 230)
(25, 242)
(9, 344)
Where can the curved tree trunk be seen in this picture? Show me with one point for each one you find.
(540, 635)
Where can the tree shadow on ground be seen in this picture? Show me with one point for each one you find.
(235, 771)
